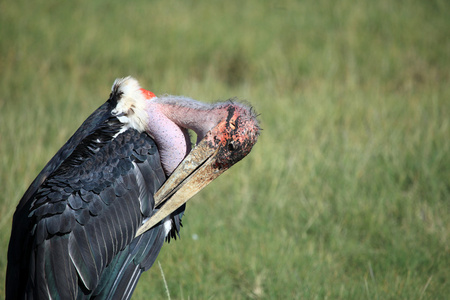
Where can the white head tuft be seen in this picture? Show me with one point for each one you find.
(130, 108)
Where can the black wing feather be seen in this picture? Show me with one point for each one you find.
(73, 231)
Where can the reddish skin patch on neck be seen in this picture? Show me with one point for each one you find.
(147, 94)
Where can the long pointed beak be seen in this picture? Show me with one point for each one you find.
(223, 146)
(195, 172)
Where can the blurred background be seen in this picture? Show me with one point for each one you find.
(346, 195)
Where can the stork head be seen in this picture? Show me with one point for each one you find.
(234, 136)
(226, 133)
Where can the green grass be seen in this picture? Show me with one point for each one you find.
(346, 194)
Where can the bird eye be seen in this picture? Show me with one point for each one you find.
(231, 146)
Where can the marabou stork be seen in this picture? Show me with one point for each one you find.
(91, 222)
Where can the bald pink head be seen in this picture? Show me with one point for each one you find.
(170, 117)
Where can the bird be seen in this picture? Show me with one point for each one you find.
(96, 216)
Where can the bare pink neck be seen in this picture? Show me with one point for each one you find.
(171, 117)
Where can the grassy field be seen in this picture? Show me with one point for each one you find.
(346, 194)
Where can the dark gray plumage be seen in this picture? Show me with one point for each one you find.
(73, 231)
